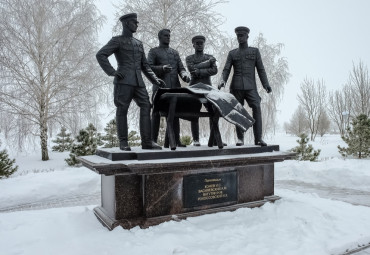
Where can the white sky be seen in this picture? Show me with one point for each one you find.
(322, 37)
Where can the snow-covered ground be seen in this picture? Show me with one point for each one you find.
(306, 220)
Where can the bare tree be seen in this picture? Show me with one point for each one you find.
(339, 108)
(49, 73)
(324, 124)
(298, 124)
(313, 99)
(352, 100)
(359, 83)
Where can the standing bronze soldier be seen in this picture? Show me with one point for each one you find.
(128, 82)
(167, 65)
(202, 67)
(243, 85)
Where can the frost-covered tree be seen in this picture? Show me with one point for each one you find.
(359, 84)
(313, 100)
(304, 151)
(298, 124)
(63, 141)
(85, 144)
(7, 166)
(185, 19)
(357, 138)
(339, 108)
(277, 71)
(48, 70)
(110, 137)
(324, 124)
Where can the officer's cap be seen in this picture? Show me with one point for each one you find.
(242, 30)
(128, 16)
(198, 37)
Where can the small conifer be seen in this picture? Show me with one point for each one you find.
(110, 138)
(304, 151)
(86, 144)
(6, 164)
(63, 141)
(357, 138)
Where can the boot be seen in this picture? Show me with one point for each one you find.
(151, 146)
(240, 142)
(260, 142)
(196, 143)
(121, 120)
(123, 145)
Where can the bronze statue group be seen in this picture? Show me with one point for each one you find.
(163, 67)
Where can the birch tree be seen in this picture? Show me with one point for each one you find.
(277, 71)
(313, 100)
(49, 72)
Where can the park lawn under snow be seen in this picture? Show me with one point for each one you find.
(299, 223)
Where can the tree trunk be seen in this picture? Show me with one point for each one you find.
(44, 141)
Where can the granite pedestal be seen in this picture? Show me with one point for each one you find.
(145, 188)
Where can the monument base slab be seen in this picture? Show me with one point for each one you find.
(148, 192)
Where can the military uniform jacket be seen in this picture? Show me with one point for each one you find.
(205, 67)
(131, 61)
(160, 56)
(245, 62)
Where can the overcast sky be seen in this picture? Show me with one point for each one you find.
(322, 38)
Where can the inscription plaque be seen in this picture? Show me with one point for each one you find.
(210, 188)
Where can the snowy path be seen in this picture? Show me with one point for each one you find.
(75, 200)
(352, 196)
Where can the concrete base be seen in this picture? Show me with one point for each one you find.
(147, 192)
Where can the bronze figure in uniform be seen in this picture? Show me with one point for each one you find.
(201, 67)
(167, 65)
(245, 60)
(128, 82)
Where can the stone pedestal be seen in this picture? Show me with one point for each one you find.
(144, 188)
